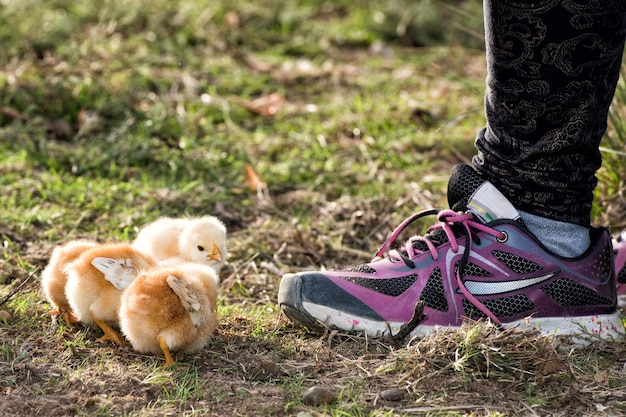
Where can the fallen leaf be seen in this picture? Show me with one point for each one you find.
(10, 112)
(60, 128)
(551, 366)
(254, 181)
(89, 120)
(423, 117)
(256, 184)
(232, 19)
(267, 105)
(254, 62)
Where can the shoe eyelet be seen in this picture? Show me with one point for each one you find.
(504, 238)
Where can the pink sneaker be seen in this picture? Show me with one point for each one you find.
(482, 264)
(619, 248)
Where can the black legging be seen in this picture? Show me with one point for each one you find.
(553, 66)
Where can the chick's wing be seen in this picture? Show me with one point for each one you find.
(187, 295)
(119, 272)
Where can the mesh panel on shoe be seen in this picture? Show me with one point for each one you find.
(516, 263)
(473, 270)
(472, 312)
(433, 295)
(601, 265)
(390, 286)
(364, 268)
(569, 293)
(510, 306)
(500, 307)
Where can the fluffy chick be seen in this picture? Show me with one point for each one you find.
(169, 309)
(54, 278)
(175, 240)
(96, 280)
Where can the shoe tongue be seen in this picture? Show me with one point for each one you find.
(488, 204)
(468, 190)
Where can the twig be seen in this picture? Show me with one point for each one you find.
(357, 252)
(448, 408)
(407, 328)
(19, 287)
(332, 334)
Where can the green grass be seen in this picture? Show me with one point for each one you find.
(115, 113)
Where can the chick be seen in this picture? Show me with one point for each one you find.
(96, 280)
(201, 240)
(169, 309)
(54, 278)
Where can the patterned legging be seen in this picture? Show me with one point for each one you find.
(553, 66)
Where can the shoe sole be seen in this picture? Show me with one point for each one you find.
(582, 329)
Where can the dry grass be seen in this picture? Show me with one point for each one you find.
(259, 363)
(115, 113)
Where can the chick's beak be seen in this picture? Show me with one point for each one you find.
(216, 254)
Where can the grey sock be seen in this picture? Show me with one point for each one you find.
(565, 239)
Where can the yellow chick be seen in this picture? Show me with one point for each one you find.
(96, 280)
(200, 240)
(169, 309)
(54, 278)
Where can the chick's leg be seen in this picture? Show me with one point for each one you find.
(69, 318)
(109, 333)
(54, 315)
(169, 361)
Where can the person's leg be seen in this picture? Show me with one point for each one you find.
(504, 251)
(553, 67)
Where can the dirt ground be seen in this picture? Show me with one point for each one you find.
(54, 371)
(255, 366)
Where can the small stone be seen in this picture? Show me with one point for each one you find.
(392, 395)
(317, 396)
(4, 315)
(265, 371)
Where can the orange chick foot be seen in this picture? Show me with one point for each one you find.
(110, 333)
(169, 361)
(115, 338)
(69, 318)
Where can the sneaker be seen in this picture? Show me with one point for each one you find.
(481, 264)
(619, 249)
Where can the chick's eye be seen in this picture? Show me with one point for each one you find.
(201, 248)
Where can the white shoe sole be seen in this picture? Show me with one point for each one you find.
(582, 329)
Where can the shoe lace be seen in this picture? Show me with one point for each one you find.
(451, 227)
